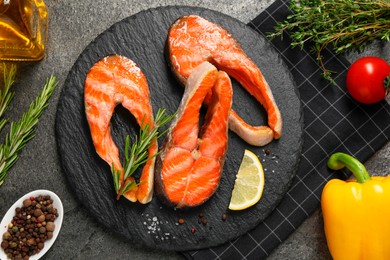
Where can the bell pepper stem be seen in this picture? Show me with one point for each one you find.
(338, 161)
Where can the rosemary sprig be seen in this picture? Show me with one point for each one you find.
(23, 130)
(137, 154)
(345, 25)
(5, 94)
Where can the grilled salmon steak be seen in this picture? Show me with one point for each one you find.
(192, 40)
(189, 167)
(111, 81)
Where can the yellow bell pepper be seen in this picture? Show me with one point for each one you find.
(356, 212)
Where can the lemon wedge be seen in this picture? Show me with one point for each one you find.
(249, 184)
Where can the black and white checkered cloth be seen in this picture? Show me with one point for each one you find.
(333, 122)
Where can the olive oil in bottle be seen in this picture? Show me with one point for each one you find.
(23, 30)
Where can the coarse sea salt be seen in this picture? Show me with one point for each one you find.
(267, 158)
(153, 226)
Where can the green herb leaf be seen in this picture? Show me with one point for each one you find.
(137, 154)
(23, 130)
(128, 186)
(6, 96)
(344, 25)
(116, 177)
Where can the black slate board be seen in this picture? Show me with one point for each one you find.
(141, 38)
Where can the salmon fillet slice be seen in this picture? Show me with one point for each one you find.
(192, 40)
(111, 81)
(190, 164)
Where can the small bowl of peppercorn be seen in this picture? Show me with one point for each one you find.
(31, 225)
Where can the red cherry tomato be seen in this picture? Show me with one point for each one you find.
(368, 80)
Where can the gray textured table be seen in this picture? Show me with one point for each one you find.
(73, 25)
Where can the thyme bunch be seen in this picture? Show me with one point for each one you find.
(137, 154)
(23, 130)
(345, 25)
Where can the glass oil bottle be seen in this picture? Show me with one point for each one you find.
(23, 30)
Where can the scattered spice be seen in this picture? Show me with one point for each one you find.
(181, 220)
(31, 226)
(202, 219)
(193, 230)
(224, 217)
(267, 151)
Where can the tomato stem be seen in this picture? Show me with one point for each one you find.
(386, 83)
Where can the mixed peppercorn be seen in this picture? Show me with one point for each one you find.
(202, 220)
(31, 226)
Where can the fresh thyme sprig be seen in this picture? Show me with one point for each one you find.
(137, 154)
(23, 130)
(345, 25)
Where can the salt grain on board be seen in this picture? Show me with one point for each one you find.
(153, 225)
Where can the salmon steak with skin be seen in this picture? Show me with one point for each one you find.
(192, 40)
(190, 164)
(112, 81)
